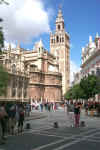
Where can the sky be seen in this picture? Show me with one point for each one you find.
(28, 21)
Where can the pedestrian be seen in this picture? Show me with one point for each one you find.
(49, 107)
(12, 118)
(21, 118)
(77, 115)
(54, 107)
(3, 115)
(70, 112)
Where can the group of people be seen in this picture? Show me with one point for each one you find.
(13, 115)
(90, 105)
(10, 116)
(48, 106)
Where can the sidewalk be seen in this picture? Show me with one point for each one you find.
(35, 115)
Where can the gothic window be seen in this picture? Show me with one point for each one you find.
(13, 92)
(63, 25)
(19, 93)
(14, 83)
(25, 93)
(39, 50)
(62, 39)
(51, 40)
(14, 68)
(58, 27)
(57, 39)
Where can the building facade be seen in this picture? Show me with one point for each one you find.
(17, 89)
(43, 75)
(60, 47)
(77, 78)
(91, 57)
(45, 79)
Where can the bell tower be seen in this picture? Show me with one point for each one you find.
(60, 46)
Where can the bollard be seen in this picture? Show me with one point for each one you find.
(82, 124)
(56, 125)
(28, 126)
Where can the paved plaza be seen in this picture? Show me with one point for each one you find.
(43, 136)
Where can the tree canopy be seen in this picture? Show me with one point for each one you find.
(4, 77)
(87, 88)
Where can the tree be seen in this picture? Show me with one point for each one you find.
(90, 85)
(1, 40)
(4, 77)
(78, 92)
(68, 94)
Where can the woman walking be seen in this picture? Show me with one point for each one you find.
(77, 115)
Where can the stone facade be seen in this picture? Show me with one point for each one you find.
(91, 57)
(41, 74)
(77, 78)
(13, 62)
(45, 78)
(60, 47)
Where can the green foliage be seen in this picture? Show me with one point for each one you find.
(88, 87)
(4, 77)
(68, 94)
(77, 92)
(1, 39)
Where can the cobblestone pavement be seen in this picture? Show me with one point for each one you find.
(43, 136)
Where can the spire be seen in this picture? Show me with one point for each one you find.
(97, 35)
(83, 50)
(90, 39)
(18, 46)
(40, 43)
(9, 47)
(60, 16)
(59, 21)
(60, 13)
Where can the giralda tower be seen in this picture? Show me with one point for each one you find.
(60, 47)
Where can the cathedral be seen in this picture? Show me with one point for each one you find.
(39, 74)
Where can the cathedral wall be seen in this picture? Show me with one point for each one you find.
(52, 93)
(34, 92)
(45, 86)
(51, 79)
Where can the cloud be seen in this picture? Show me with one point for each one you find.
(73, 69)
(7, 45)
(24, 19)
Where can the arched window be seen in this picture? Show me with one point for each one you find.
(58, 27)
(57, 39)
(51, 40)
(39, 49)
(14, 68)
(62, 39)
(63, 25)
